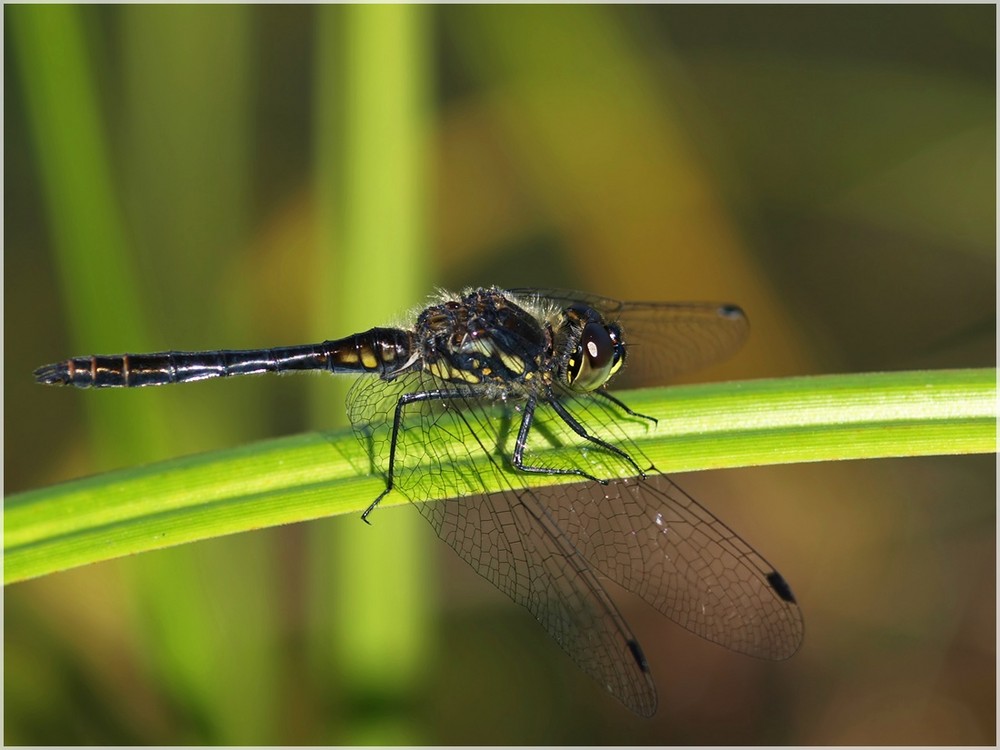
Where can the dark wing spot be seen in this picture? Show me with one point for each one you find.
(640, 658)
(731, 311)
(780, 586)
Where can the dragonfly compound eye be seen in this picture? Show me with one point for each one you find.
(596, 358)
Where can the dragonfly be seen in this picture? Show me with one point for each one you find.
(480, 391)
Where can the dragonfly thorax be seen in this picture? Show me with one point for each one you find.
(485, 338)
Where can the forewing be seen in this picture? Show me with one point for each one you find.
(655, 540)
(662, 339)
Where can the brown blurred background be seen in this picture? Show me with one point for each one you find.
(226, 177)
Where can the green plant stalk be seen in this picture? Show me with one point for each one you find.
(88, 236)
(314, 475)
(373, 74)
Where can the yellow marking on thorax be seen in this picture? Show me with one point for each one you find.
(442, 371)
(512, 362)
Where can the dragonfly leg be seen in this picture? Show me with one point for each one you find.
(623, 406)
(397, 420)
(582, 432)
(517, 459)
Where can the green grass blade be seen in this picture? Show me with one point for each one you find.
(373, 73)
(88, 229)
(315, 475)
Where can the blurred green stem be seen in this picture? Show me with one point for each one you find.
(373, 72)
(93, 261)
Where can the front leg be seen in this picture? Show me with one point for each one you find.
(582, 432)
(623, 406)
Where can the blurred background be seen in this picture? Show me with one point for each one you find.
(227, 177)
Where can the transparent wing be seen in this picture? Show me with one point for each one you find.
(655, 540)
(543, 547)
(511, 540)
(508, 537)
(663, 339)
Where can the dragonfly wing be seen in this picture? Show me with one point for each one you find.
(662, 339)
(511, 540)
(507, 536)
(655, 540)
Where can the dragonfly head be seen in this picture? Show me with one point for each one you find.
(596, 349)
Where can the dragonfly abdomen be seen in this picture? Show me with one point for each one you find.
(379, 350)
(384, 351)
(163, 368)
